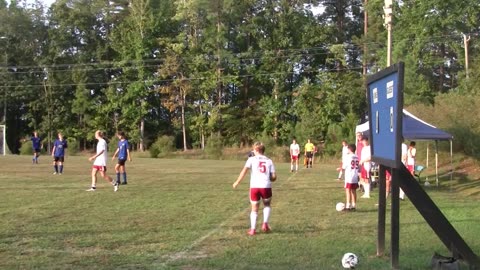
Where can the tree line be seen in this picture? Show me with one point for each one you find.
(234, 70)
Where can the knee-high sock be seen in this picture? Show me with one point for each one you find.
(55, 167)
(118, 177)
(253, 219)
(124, 177)
(367, 189)
(266, 213)
(61, 168)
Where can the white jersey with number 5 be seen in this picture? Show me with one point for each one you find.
(261, 167)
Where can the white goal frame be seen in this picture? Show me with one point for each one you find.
(3, 133)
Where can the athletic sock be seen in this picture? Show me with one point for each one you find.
(118, 177)
(61, 168)
(347, 205)
(291, 167)
(367, 189)
(55, 167)
(124, 177)
(266, 213)
(253, 219)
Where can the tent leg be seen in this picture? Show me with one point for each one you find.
(436, 162)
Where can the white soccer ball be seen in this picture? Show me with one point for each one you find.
(349, 260)
(340, 206)
(427, 183)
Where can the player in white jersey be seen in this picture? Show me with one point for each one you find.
(344, 156)
(351, 165)
(261, 177)
(294, 155)
(411, 153)
(366, 165)
(100, 163)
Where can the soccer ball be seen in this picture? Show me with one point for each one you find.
(340, 206)
(349, 260)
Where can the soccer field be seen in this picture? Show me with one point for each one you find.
(184, 214)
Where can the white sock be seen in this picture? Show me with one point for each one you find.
(367, 189)
(291, 167)
(402, 194)
(253, 219)
(340, 175)
(266, 213)
(347, 205)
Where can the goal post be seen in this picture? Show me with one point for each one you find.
(3, 140)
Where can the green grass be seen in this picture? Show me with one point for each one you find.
(184, 214)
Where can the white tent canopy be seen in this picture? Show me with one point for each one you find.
(415, 128)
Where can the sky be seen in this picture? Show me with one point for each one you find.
(46, 2)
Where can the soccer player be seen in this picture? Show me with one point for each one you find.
(365, 163)
(100, 163)
(294, 155)
(309, 147)
(58, 154)
(344, 156)
(37, 147)
(411, 153)
(123, 154)
(261, 177)
(351, 178)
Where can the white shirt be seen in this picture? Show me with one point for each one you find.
(344, 154)
(351, 169)
(411, 156)
(294, 149)
(404, 153)
(101, 160)
(366, 155)
(261, 167)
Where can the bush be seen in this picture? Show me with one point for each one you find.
(26, 148)
(214, 147)
(73, 146)
(162, 146)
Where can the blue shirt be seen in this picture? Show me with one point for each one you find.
(123, 147)
(60, 148)
(36, 142)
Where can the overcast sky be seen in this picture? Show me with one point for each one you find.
(46, 2)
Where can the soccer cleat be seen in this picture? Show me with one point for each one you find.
(124, 183)
(251, 232)
(54, 172)
(365, 196)
(91, 189)
(265, 228)
(115, 188)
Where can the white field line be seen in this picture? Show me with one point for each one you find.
(184, 252)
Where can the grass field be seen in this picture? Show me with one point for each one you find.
(184, 214)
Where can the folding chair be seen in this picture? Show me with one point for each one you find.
(418, 170)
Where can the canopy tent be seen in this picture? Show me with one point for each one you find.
(415, 128)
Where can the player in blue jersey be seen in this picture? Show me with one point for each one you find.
(37, 147)
(123, 154)
(58, 154)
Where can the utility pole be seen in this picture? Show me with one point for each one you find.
(365, 31)
(388, 9)
(466, 39)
